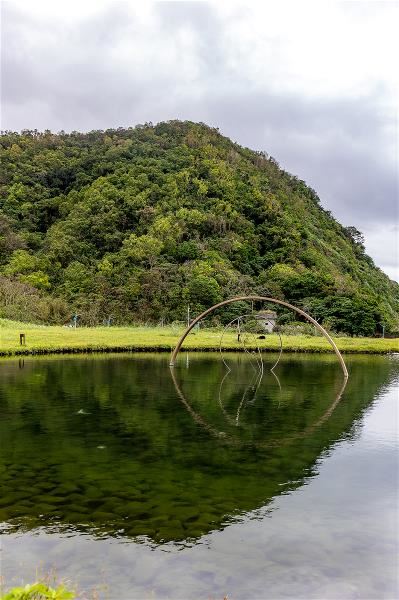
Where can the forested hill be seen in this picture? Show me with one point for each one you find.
(135, 224)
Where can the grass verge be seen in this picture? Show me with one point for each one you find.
(42, 339)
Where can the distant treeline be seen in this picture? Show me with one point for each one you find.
(135, 224)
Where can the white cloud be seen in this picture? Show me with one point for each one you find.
(384, 243)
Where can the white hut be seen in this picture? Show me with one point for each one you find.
(267, 318)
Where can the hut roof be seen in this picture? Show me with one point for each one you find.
(266, 314)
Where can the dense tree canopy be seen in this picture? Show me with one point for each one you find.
(136, 223)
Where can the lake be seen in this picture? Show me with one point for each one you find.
(123, 476)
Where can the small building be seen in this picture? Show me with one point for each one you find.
(267, 319)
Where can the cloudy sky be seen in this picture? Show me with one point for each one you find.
(314, 84)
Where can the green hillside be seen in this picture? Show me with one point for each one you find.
(135, 224)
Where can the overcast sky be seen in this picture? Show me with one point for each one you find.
(314, 84)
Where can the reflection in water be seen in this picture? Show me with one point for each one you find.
(248, 396)
(100, 444)
(253, 386)
(112, 448)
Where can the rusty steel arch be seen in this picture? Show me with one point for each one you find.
(260, 299)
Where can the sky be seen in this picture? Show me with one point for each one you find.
(313, 84)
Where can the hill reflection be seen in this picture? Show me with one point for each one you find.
(115, 446)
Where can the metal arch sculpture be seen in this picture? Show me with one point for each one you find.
(239, 319)
(261, 299)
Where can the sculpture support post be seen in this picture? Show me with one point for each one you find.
(262, 299)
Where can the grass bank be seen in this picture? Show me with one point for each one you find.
(41, 339)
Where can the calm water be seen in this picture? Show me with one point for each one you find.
(214, 483)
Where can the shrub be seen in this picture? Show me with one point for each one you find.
(39, 591)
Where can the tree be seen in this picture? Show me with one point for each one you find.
(142, 249)
(202, 292)
(355, 235)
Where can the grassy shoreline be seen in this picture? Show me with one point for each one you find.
(43, 339)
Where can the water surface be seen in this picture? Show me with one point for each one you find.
(205, 484)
